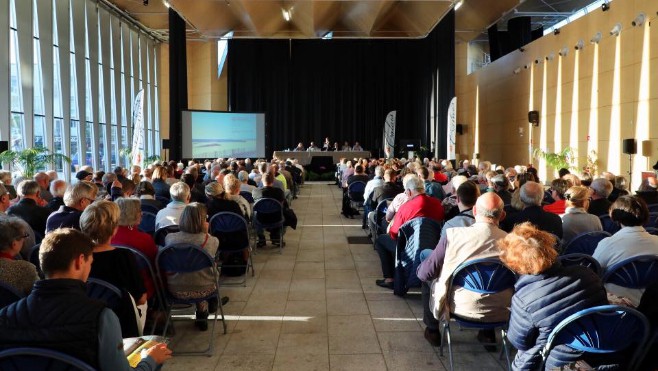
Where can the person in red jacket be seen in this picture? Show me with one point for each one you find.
(418, 205)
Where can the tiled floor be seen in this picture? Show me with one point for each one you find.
(316, 307)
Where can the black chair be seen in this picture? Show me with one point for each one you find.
(34, 259)
(268, 214)
(163, 200)
(188, 259)
(119, 301)
(247, 196)
(355, 192)
(147, 224)
(636, 272)
(414, 236)
(161, 233)
(21, 359)
(585, 243)
(8, 295)
(584, 260)
(149, 208)
(608, 224)
(380, 213)
(232, 231)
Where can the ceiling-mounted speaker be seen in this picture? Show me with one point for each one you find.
(533, 118)
(629, 146)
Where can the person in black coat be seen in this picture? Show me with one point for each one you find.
(29, 208)
(531, 196)
(601, 189)
(269, 191)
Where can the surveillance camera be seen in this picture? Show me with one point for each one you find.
(596, 38)
(616, 30)
(580, 45)
(639, 20)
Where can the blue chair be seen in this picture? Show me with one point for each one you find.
(636, 272)
(144, 264)
(232, 231)
(163, 200)
(104, 291)
(20, 359)
(653, 208)
(149, 208)
(184, 258)
(147, 224)
(585, 243)
(413, 237)
(608, 224)
(483, 276)
(380, 213)
(247, 196)
(602, 330)
(584, 260)
(268, 214)
(161, 233)
(652, 230)
(8, 295)
(652, 221)
(119, 301)
(355, 192)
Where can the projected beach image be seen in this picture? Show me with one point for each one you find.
(216, 135)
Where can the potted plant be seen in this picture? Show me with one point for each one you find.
(31, 160)
(557, 160)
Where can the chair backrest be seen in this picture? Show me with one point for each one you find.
(163, 199)
(183, 258)
(653, 208)
(584, 260)
(355, 190)
(413, 236)
(483, 276)
(147, 224)
(653, 218)
(636, 272)
(604, 329)
(20, 359)
(652, 230)
(161, 233)
(149, 208)
(231, 229)
(104, 291)
(268, 211)
(585, 243)
(380, 210)
(144, 264)
(8, 295)
(247, 196)
(608, 224)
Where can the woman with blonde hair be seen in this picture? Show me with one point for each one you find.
(159, 181)
(576, 219)
(545, 294)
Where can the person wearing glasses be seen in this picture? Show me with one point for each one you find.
(18, 274)
(76, 199)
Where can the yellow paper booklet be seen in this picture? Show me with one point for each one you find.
(132, 347)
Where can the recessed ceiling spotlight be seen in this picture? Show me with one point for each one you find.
(564, 51)
(550, 57)
(639, 20)
(580, 45)
(616, 30)
(596, 38)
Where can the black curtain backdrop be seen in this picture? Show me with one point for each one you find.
(177, 82)
(343, 89)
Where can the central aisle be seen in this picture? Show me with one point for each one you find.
(316, 307)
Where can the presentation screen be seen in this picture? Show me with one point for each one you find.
(209, 134)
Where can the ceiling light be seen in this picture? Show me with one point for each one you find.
(616, 30)
(605, 7)
(580, 45)
(596, 38)
(564, 51)
(459, 4)
(639, 20)
(286, 14)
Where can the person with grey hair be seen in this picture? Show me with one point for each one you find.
(57, 189)
(30, 208)
(5, 179)
(243, 177)
(76, 199)
(531, 196)
(501, 187)
(19, 274)
(376, 182)
(44, 183)
(418, 205)
(601, 189)
(180, 197)
(457, 246)
(450, 199)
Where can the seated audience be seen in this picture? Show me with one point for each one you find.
(449, 202)
(232, 187)
(389, 189)
(19, 274)
(545, 294)
(194, 230)
(146, 194)
(358, 176)
(648, 190)
(91, 332)
(418, 205)
(100, 221)
(432, 189)
(76, 198)
(243, 176)
(467, 194)
(197, 193)
(269, 191)
(576, 220)
(44, 183)
(621, 186)
(631, 240)
(459, 245)
(180, 196)
(376, 182)
(531, 194)
(601, 189)
(219, 201)
(159, 177)
(500, 185)
(29, 207)
(558, 187)
(57, 189)
(129, 235)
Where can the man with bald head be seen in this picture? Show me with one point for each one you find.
(532, 194)
(459, 245)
